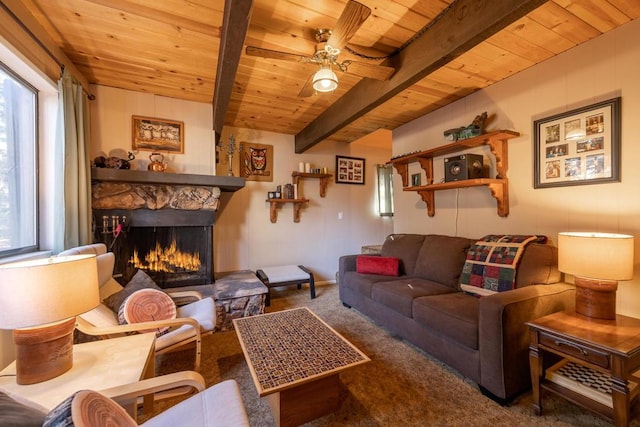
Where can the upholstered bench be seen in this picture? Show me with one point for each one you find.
(286, 275)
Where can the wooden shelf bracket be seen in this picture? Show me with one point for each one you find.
(275, 204)
(324, 179)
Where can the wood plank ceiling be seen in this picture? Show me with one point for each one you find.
(171, 48)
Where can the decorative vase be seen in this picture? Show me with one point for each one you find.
(230, 170)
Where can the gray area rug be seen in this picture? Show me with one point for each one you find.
(401, 386)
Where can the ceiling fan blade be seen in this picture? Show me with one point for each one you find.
(307, 90)
(372, 71)
(352, 17)
(274, 54)
(368, 51)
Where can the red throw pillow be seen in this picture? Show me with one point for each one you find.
(386, 266)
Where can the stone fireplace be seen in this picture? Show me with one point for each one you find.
(159, 222)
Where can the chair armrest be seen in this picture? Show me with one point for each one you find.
(89, 329)
(162, 387)
(504, 335)
(184, 297)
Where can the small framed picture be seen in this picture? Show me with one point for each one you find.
(416, 180)
(349, 170)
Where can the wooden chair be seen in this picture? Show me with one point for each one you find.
(193, 321)
(218, 405)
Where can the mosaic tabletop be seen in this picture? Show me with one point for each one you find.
(292, 347)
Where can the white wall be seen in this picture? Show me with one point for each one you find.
(244, 236)
(600, 69)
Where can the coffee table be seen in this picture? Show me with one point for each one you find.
(295, 358)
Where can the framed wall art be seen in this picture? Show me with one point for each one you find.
(256, 162)
(580, 146)
(349, 170)
(152, 134)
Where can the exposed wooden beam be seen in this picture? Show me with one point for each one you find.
(235, 23)
(461, 27)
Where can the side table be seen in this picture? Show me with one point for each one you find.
(97, 365)
(611, 347)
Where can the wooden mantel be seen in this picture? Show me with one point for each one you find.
(225, 183)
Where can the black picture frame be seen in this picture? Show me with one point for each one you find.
(350, 170)
(578, 147)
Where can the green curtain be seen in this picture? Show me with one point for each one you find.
(74, 204)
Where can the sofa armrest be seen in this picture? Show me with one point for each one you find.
(504, 335)
(347, 263)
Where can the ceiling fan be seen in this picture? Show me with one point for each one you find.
(330, 43)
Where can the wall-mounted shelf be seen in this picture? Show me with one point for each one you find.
(499, 190)
(275, 204)
(324, 179)
(497, 142)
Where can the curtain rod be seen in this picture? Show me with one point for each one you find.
(33, 37)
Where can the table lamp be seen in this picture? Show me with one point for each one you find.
(597, 261)
(39, 300)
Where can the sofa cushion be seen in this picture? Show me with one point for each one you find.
(454, 315)
(361, 283)
(405, 247)
(140, 280)
(398, 295)
(441, 259)
(538, 264)
(386, 266)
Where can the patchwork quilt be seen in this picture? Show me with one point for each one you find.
(492, 262)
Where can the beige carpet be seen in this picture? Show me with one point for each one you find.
(402, 386)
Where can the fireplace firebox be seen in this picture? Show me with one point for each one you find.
(173, 251)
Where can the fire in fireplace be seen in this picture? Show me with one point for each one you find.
(172, 255)
(166, 260)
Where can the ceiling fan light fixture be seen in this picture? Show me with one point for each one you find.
(325, 80)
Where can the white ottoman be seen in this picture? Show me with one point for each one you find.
(286, 275)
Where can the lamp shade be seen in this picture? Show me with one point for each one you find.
(604, 256)
(325, 80)
(47, 290)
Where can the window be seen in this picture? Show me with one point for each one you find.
(385, 190)
(18, 164)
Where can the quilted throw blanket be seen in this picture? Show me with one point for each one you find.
(492, 261)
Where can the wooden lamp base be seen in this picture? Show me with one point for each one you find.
(596, 298)
(44, 352)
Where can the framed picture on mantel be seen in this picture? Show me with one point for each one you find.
(581, 146)
(349, 170)
(152, 134)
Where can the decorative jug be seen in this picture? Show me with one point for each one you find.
(157, 163)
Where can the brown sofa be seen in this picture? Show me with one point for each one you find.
(483, 338)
